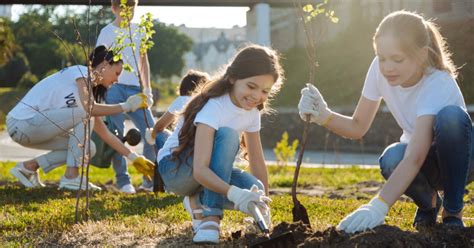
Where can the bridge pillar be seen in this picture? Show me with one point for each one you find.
(258, 24)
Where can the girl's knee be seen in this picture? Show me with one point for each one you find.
(228, 136)
(390, 158)
(452, 119)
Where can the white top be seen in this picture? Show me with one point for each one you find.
(217, 112)
(437, 89)
(57, 91)
(107, 37)
(178, 104)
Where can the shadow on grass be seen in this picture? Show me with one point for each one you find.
(11, 193)
(100, 206)
(185, 239)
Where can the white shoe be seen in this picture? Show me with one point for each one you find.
(191, 212)
(28, 178)
(144, 188)
(128, 189)
(207, 233)
(73, 184)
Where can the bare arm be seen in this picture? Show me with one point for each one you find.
(204, 142)
(355, 127)
(165, 120)
(145, 71)
(109, 138)
(415, 155)
(256, 158)
(97, 108)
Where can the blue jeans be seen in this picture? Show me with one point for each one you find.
(178, 178)
(119, 93)
(449, 165)
(161, 138)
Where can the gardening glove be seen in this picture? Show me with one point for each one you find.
(143, 165)
(149, 136)
(149, 96)
(135, 102)
(312, 103)
(365, 217)
(242, 197)
(264, 208)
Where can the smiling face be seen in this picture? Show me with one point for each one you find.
(110, 73)
(248, 93)
(396, 66)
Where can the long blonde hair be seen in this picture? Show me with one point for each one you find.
(413, 32)
(252, 60)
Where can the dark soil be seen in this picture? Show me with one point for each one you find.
(382, 236)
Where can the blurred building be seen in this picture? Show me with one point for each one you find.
(6, 11)
(212, 48)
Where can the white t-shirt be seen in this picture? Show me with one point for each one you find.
(217, 112)
(107, 37)
(437, 89)
(178, 104)
(57, 91)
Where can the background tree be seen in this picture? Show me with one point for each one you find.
(166, 57)
(7, 41)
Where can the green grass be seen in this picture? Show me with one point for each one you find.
(45, 217)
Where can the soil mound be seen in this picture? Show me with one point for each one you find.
(382, 236)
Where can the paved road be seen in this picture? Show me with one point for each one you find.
(10, 151)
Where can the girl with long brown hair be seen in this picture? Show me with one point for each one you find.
(197, 159)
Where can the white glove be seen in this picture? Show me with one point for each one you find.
(149, 96)
(312, 103)
(242, 197)
(264, 209)
(149, 136)
(365, 217)
(134, 102)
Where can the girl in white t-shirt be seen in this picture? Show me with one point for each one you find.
(159, 134)
(51, 117)
(197, 159)
(414, 75)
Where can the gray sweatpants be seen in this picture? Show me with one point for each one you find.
(59, 130)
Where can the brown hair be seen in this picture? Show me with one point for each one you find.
(252, 60)
(117, 3)
(191, 80)
(413, 32)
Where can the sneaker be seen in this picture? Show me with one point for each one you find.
(73, 184)
(425, 218)
(453, 221)
(28, 178)
(128, 189)
(145, 188)
(207, 233)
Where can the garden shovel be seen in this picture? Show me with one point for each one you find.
(299, 211)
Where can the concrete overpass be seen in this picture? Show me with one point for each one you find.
(234, 3)
(260, 9)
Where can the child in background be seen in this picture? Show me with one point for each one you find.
(158, 134)
(51, 117)
(129, 84)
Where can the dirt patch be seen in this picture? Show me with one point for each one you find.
(359, 191)
(382, 236)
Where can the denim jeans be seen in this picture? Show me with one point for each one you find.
(178, 178)
(161, 138)
(449, 165)
(119, 93)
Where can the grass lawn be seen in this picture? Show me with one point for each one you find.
(31, 217)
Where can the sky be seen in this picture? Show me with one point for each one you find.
(190, 16)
